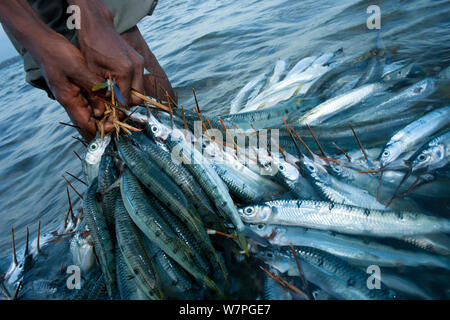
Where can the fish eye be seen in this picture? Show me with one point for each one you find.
(93, 147)
(386, 153)
(422, 157)
(249, 210)
(281, 167)
(260, 226)
(337, 169)
(155, 129)
(311, 168)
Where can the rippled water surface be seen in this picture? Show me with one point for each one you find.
(215, 47)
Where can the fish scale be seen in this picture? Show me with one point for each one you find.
(180, 176)
(159, 184)
(330, 273)
(210, 182)
(175, 281)
(183, 234)
(134, 253)
(126, 283)
(106, 177)
(156, 229)
(357, 250)
(103, 243)
(205, 245)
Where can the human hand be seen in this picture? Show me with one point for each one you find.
(67, 74)
(156, 84)
(106, 53)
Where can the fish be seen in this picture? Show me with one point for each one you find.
(274, 291)
(103, 242)
(107, 176)
(406, 286)
(199, 167)
(82, 251)
(176, 282)
(88, 284)
(325, 215)
(396, 71)
(98, 289)
(202, 253)
(181, 176)
(279, 68)
(159, 184)
(296, 82)
(337, 191)
(436, 243)
(327, 109)
(414, 134)
(358, 251)
(398, 104)
(134, 254)
(331, 274)
(157, 230)
(236, 103)
(93, 156)
(126, 282)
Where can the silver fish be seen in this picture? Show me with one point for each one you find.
(343, 218)
(414, 134)
(353, 249)
(337, 104)
(93, 156)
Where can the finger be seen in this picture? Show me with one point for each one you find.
(138, 77)
(150, 86)
(123, 79)
(124, 84)
(83, 77)
(98, 106)
(138, 85)
(78, 109)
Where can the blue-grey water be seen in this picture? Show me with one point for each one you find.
(213, 46)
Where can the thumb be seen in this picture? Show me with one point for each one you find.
(81, 114)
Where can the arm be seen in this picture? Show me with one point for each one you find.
(63, 65)
(67, 69)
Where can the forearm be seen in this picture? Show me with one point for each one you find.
(25, 25)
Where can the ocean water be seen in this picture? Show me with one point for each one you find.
(213, 46)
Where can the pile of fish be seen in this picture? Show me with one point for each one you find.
(328, 181)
